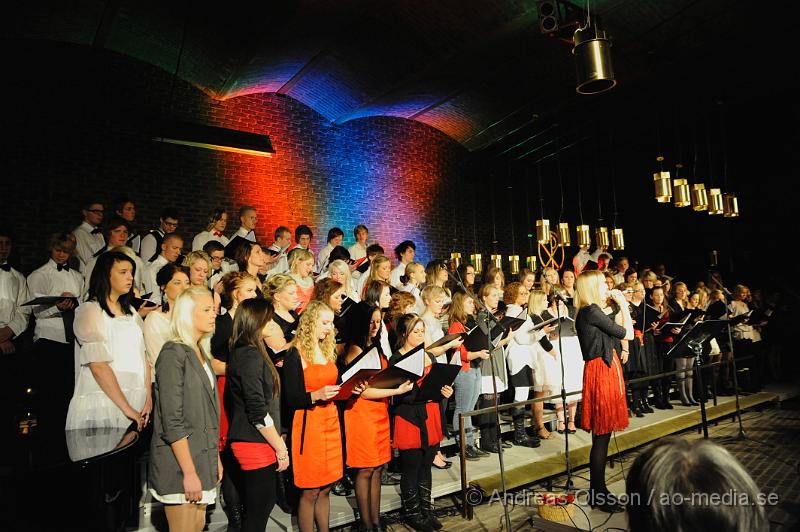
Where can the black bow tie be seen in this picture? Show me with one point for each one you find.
(5, 267)
(215, 272)
(96, 231)
(64, 266)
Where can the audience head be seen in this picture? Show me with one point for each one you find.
(515, 294)
(527, 278)
(249, 257)
(380, 269)
(568, 278)
(495, 276)
(414, 274)
(6, 240)
(704, 474)
(591, 289)
(537, 302)
(434, 297)
(466, 272)
(340, 271)
(338, 253)
(490, 296)
(301, 262)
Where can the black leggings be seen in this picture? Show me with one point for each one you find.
(597, 462)
(415, 467)
(258, 496)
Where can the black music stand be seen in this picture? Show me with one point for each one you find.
(690, 345)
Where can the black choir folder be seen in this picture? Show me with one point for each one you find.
(359, 370)
(49, 300)
(439, 375)
(409, 367)
(447, 338)
(477, 339)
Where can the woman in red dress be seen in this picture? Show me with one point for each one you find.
(417, 433)
(605, 408)
(366, 420)
(309, 378)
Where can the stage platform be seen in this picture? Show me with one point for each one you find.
(523, 465)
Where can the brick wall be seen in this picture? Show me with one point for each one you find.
(79, 126)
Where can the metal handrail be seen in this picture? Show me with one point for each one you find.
(466, 509)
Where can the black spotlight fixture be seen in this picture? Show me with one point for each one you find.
(549, 17)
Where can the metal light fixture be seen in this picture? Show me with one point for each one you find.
(682, 196)
(699, 197)
(584, 237)
(601, 237)
(543, 231)
(530, 262)
(592, 50)
(477, 262)
(663, 184)
(513, 260)
(497, 261)
(730, 205)
(715, 203)
(455, 260)
(617, 239)
(563, 235)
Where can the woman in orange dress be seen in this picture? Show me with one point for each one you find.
(366, 420)
(417, 432)
(309, 378)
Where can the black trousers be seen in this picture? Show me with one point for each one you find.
(415, 467)
(258, 497)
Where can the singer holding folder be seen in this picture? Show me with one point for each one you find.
(605, 408)
(417, 432)
(366, 420)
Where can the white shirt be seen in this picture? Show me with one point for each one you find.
(13, 293)
(156, 334)
(357, 251)
(88, 244)
(149, 245)
(150, 284)
(619, 278)
(361, 282)
(201, 239)
(411, 288)
(397, 273)
(249, 234)
(48, 281)
(322, 258)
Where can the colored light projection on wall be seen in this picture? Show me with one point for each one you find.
(389, 174)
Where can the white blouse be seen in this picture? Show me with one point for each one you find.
(119, 342)
(156, 334)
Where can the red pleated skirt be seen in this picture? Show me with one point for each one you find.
(605, 409)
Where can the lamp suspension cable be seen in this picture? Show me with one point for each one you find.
(730, 202)
(715, 202)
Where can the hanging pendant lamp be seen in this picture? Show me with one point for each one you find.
(699, 197)
(715, 203)
(730, 205)
(617, 239)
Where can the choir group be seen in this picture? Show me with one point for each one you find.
(235, 352)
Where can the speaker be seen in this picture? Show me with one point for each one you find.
(549, 16)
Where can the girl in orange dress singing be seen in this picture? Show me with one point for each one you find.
(366, 420)
(417, 433)
(309, 378)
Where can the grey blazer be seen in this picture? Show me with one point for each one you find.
(186, 405)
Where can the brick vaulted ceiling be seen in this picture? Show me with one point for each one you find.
(477, 70)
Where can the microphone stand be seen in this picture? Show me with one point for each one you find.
(487, 317)
(568, 485)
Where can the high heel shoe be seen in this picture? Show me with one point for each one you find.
(561, 427)
(546, 435)
(572, 430)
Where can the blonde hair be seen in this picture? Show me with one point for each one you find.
(537, 302)
(125, 250)
(587, 288)
(374, 266)
(344, 269)
(277, 283)
(307, 337)
(297, 255)
(181, 323)
(432, 291)
(195, 256)
(546, 286)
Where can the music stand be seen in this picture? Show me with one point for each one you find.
(690, 345)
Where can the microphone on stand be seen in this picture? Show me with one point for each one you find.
(561, 295)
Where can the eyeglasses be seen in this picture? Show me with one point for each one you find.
(96, 211)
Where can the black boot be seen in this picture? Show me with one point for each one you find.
(637, 408)
(489, 439)
(426, 504)
(520, 436)
(412, 512)
(646, 408)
